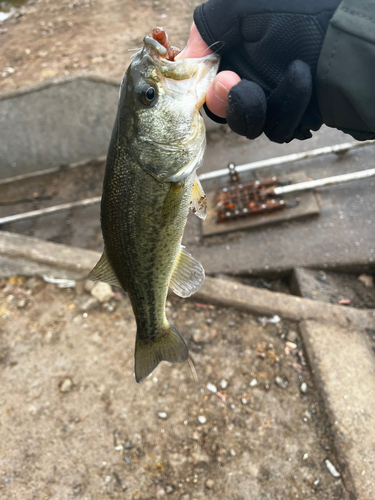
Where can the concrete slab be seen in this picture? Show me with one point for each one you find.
(53, 123)
(17, 251)
(60, 121)
(344, 368)
(78, 262)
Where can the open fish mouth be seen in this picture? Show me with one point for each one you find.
(180, 69)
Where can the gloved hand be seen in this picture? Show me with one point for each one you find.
(274, 47)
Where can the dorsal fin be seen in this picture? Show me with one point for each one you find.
(198, 201)
(103, 271)
(188, 275)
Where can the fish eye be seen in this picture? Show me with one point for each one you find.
(147, 94)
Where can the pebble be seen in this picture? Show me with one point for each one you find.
(280, 382)
(209, 484)
(66, 385)
(244, 401)
(212, 388)
(160, 492)
(169, 489)
(292, 336)
(332, 469)
(87, 303)
(200, 457)
(254, 382)
(303, 388)
(200, 336)
(162, 415)
(367, 280)
(223, 383)
(21, 303)
(89, 285)
(185, 496)
(102, 291)
(202, 420)
(137, 439)
(108, 307)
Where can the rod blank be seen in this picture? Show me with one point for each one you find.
(280, 160)
(49, 210)
(327, 181)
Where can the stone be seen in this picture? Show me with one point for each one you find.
(160, 492)
(367, 280)
(212, 388)
(89, 285)
(209, 484)
(332, 469)
(292, 336)
(86, 303)
(66, 385)
(21, 303)
(102, 291)
(280, 382)
(223, 383)
(200, 337)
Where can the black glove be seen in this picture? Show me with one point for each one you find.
(274, 46)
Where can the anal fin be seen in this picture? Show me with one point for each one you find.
(188, 275)
(103, 271)
(198, 201)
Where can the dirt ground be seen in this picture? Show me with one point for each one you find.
(45, 39)
(74, 423)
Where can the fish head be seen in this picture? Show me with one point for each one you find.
(158, 117)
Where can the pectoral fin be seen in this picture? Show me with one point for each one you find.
(188, 275)
(103, 272)
(198, 201)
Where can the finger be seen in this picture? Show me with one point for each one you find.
(195, 47)
(246, 110)
(217, 93)
(288, 102)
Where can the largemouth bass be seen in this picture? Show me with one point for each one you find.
(150, 180)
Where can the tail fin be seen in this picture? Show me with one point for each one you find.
(168, 346)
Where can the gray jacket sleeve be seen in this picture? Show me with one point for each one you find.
(346, 70)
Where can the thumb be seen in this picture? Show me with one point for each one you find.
(195, 47)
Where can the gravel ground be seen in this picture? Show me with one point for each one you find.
(74, 424)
